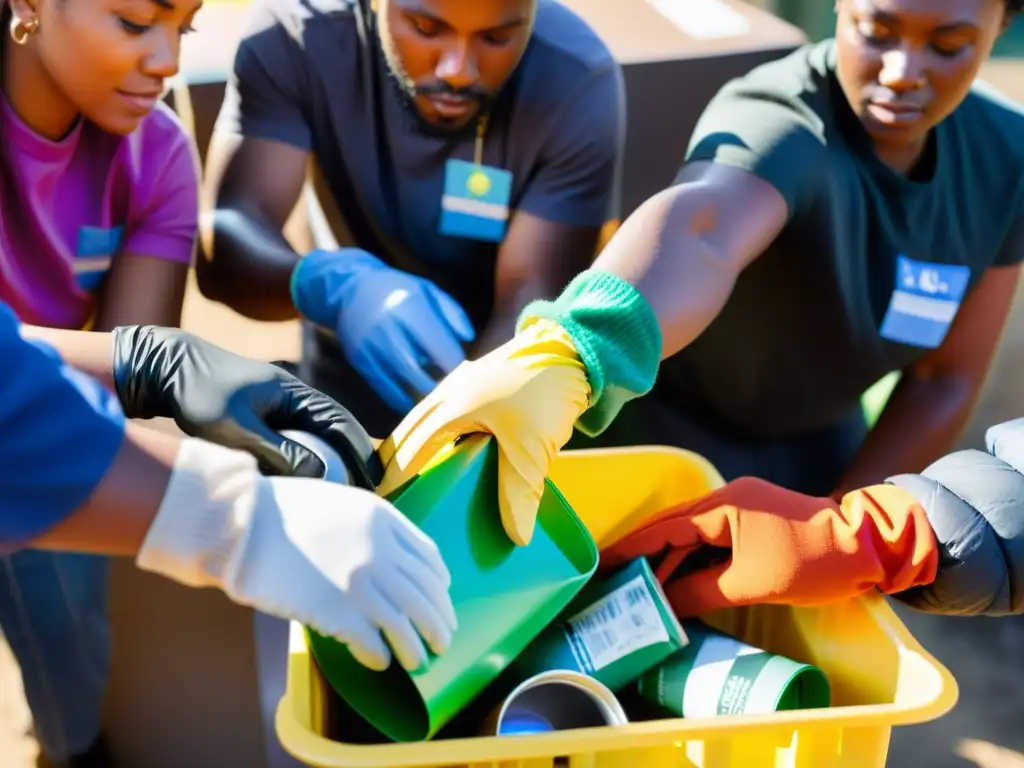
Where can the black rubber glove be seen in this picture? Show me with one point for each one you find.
(219, 396)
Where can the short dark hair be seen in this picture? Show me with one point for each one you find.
(1013, 7)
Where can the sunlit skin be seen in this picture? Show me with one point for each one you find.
(905, 65)
(104, 60)
(452, 56)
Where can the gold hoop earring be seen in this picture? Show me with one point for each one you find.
(22, 30)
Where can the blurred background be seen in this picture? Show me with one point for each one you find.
(817, 20)
(987, 656)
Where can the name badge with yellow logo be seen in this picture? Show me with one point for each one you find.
(475, 201)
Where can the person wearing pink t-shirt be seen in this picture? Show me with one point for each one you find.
(97, 229)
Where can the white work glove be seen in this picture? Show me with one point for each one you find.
(338, 559)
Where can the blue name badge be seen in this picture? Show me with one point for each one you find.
(475, 201)
(94, 251)
(924, 302)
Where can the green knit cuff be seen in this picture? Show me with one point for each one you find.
(616, 335)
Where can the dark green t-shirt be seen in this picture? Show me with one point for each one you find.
(864, 279)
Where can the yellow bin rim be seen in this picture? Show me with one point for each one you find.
(922, 689)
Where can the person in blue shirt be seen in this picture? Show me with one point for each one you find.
(246, 516)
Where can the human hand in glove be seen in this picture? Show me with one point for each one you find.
(527, 393)
(231, 400)
(338, 559)
(400, 331)
(755, 542)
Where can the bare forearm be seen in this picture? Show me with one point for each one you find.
(89, 352)
(249, 266)
(921, 422)
(665, 250)
(142, 290)
(502, 325)
(117, 516)
(112, 317)
(500, 329)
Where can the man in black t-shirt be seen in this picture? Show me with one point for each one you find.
(471, 151)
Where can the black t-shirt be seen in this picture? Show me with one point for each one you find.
(865, 278)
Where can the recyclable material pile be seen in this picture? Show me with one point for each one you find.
(543, 643)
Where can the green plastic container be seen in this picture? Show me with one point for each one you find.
(504, 595)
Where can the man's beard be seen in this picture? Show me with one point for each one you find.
(407, 91)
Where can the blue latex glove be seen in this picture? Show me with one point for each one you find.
(401, 332)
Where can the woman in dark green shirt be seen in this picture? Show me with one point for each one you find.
(898, 250)
(850, 210)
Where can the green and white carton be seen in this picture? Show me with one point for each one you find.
(716, 674)
(616, 629)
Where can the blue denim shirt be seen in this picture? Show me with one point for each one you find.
(59, 433)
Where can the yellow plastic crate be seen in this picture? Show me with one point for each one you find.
(880, 676)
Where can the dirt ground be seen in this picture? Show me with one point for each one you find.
(986, 656)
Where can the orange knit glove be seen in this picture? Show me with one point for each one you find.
(778, 546)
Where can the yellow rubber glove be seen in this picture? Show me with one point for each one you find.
(528, 394)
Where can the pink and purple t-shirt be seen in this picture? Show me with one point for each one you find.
(83, 202)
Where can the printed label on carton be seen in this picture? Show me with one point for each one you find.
(619, 624)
